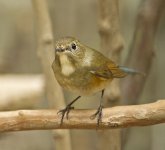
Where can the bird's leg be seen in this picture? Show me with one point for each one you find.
(67, 109)
(98, 113)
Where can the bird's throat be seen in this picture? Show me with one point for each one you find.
(67, 68)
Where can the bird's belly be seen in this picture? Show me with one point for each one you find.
(83, 84)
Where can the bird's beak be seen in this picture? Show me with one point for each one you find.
(60, 49)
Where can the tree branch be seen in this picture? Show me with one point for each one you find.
(141, 50)
(20, 91)
(115, 117)
(111, 45)
(111, 41)
(46, 52)
(142, 47)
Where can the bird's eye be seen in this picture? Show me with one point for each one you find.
(73, 46)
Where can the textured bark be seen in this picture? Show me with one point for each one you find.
(111, 45)
(141, 51)
(113, 118)
(111, 42)
(142, 48)
(46, 54)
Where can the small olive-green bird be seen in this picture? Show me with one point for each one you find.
(84, 71)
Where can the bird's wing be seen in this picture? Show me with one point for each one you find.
(102, 72)
(108, 71)
(116, 71)
(103, 67)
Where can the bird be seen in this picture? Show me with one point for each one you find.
(84, 71)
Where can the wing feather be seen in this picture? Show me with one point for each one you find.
(108, 71)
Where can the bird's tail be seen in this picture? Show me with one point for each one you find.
(131, 71)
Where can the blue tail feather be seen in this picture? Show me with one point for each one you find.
(131, 71)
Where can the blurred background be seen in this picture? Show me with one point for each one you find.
(78, 18)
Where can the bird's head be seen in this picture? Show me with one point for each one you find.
(70, 47)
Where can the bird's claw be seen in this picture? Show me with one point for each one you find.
(64, 112)
(97, 114)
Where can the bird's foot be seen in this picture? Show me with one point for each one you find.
(64, 112)
(98, 114)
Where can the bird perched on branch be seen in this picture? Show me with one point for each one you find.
(84, 71)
